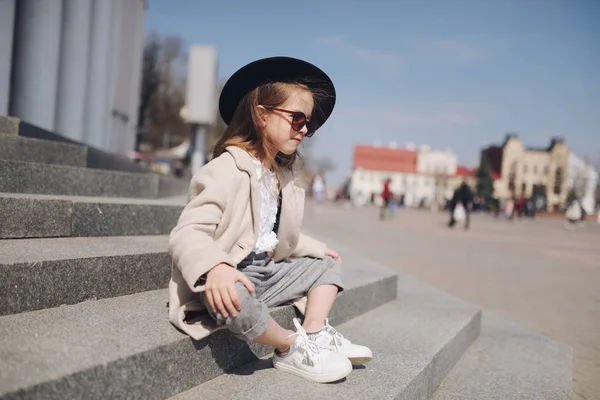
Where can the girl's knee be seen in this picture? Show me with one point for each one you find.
(244, 298)
(250, 320)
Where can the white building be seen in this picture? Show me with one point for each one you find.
(436, 162)
(416, 175)
(583, 178)
(73, 67)
(442, 166)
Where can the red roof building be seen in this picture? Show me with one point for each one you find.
(465, 172)
(385, 159)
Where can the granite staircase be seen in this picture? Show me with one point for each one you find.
(83, 313)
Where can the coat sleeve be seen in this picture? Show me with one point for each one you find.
(191, 243)
(309, 247)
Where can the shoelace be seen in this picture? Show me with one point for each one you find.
(311, 347)
(338, 337)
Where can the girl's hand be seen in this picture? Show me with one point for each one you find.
(333, 253)
(220, 289)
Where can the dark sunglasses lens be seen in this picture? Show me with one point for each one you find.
(298, 121)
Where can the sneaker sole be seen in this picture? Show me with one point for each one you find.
(319, 378)
(360, 360)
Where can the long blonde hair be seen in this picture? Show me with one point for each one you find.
(243, 130)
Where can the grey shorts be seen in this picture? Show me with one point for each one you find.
(276, 283)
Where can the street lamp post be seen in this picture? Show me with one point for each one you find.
(200, 105)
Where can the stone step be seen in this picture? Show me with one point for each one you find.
(95, 158)
(416, 340)
(16, 148)
(36, 216)
(44, 273)
(9, 125)
(510, 362)
(124, 347)
(24, 177)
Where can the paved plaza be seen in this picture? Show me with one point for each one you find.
(533, 272)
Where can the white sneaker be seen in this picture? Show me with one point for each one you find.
(309, 361)
(330, 339)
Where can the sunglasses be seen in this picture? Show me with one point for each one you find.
(299, 121)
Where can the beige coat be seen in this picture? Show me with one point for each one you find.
(220, 225)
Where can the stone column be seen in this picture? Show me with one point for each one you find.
(7, 19)
(72, 79)
(136, 81)
(98, 73)
(36, 61)
(113, 131)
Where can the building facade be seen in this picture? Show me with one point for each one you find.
(74, 67)
(442, 166)
(529, 172)
(418, 176)
(582, 180)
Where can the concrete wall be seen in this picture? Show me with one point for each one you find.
(7, 20)
(129, 45)
(73, 71)
(35, 64)
(73, 67)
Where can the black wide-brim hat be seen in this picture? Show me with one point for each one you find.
(276, 69)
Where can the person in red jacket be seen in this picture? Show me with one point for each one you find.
(388, 198)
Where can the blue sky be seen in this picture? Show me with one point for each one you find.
(448, 73)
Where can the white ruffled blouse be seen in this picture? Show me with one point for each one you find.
(267, 239)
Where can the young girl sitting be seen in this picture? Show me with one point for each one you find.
(237, 248)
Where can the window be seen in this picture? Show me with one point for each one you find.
(558, 180)
(525, 168)
(535, 169)
(511, 178)
(546, 170)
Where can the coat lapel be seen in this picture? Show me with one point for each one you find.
(255, 200)
(291, 215)
(244, 163)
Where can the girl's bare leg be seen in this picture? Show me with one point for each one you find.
(276, 336)
(320, 301)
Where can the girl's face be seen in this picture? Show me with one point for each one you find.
(278, 124)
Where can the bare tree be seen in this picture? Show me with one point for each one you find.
(162, 92)
(150, 83)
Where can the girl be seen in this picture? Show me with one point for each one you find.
(237, 249)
